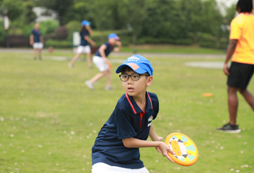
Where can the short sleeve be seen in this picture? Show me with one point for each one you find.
(156, 109)
(235, 30)
(123, 125)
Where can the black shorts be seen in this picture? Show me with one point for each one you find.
(240, 75)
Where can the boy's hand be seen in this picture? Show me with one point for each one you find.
(164, 150)
(108, 62)
(118, 49)
(158, 139)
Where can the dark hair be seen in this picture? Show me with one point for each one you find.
(244, 5)
(83, 28)
(127, 68)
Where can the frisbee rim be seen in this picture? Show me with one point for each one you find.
(176, 160)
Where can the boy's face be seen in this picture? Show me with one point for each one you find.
(112, 41)
(136, 87)
(36, 25)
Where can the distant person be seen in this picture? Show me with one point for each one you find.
(102, 63)
(241, 50)
(36, 40)
(84, 47)
(116, 148)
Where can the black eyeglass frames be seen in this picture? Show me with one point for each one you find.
(134, 76)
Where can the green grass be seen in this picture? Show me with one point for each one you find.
(171, 49)
(49, 119)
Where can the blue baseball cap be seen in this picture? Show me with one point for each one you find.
(113, 35)
(85, 22)
(137, 63)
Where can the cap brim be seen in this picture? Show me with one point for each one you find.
(139, 70)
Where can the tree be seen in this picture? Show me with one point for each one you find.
(29, 15)
(164, 20)
(230, 13)
(14, 8)
(62, 7)
(137, 13)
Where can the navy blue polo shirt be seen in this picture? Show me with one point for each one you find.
(127, 120)
(107, 50)
(36, 34)
(83, 41)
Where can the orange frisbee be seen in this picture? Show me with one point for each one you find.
(186, 151)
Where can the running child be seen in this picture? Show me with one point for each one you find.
(84, 47)
(116, 148)
(36, 40)
(101, 61)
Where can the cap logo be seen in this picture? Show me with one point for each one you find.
(133, 58)
(133, 66)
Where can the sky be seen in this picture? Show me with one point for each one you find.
(227, 3)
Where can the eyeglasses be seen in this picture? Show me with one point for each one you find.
(134, 76)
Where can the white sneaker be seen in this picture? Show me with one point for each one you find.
(107, 88)
(89, 85)
(70, 65)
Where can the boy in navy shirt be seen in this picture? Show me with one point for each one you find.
(101, 61)
(116, 148)
(36, 40)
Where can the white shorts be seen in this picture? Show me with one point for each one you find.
(83, 49)
(38, 45)
(100, 63)
(104, 168)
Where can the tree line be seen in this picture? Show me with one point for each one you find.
(150, 19)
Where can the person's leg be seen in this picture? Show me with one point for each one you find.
(35, 51)
(89, 59)
(97, 77)
(39, 52)
(248, 97)
(232, 104)
(108, 75)
(90, 83)
(75, 58)
(231, 126)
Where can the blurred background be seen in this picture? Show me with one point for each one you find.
(203, 23)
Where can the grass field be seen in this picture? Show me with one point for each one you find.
(49, 119)
(166, 48)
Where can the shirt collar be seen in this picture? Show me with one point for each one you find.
(135, 107)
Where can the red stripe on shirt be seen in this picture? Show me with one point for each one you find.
(130, 103)
(141, 114)
(150, 100)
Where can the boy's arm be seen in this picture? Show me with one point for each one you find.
(153, 135)
(89, 40)
(119, 46)
(230, 52)
(137, 143)
(89, 29)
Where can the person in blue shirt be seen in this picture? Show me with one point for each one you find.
(84, 47)
(116, 148)
(101, 61)
(36, 40)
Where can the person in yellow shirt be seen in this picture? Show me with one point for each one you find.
(241, 50)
